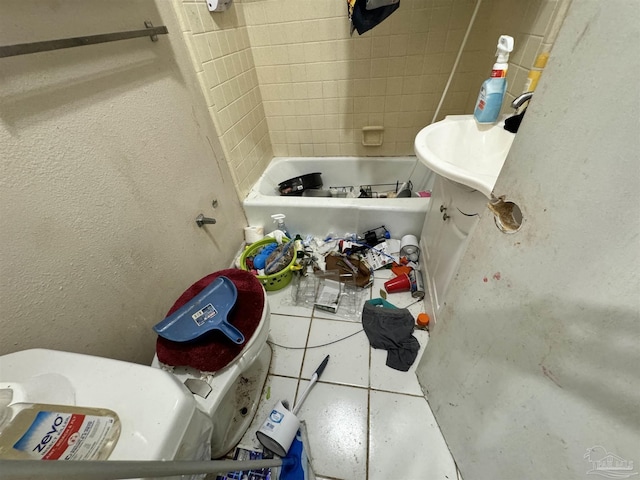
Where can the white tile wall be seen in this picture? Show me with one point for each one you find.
(222, 57)
(285, 78)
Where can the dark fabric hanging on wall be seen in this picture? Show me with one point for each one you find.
(364, 20)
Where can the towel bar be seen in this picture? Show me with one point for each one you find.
(35, 47)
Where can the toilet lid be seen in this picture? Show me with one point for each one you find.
(214, 351)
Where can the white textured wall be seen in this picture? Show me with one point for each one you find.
(535, 357)
(107, 154)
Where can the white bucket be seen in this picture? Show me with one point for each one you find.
(278, 430)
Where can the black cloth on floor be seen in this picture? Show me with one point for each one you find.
(391, 329)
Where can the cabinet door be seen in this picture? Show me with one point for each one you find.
(453, 215)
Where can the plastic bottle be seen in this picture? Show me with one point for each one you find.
(299, 247)
(376, 236)
(39, 431)
(278, 219)
(493, 89)
(535, 72)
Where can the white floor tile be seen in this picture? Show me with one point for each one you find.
(405, 441)
(354, 433)
(291, 332)
(336, 419)
(382, 377)
(349, 359)
(281, 302)
(276, 388)
(379, 277)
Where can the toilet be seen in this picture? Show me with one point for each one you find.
(167, 412)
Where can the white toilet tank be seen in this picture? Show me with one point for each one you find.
(158, 415)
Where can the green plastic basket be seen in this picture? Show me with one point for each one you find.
(274, 281)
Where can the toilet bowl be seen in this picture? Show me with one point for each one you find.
(229, 397)
(166, 413)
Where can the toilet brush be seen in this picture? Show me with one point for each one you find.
(314, 379)
(279, 430)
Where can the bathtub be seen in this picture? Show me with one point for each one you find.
(319, 216)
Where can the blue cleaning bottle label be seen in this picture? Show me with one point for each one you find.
(493, 89)
(490, 97)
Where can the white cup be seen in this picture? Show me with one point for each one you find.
(278, 430)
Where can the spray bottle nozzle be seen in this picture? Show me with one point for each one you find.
(278, 219)
(505, 46)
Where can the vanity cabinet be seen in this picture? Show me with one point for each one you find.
(453, 214)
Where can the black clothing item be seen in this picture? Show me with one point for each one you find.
(364, 20)
(390, 329)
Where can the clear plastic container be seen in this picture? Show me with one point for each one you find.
(39, 431)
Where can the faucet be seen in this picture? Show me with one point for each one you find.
(201, 220)
(512, 124)
(520, 99)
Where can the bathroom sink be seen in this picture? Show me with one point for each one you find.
(460, 149)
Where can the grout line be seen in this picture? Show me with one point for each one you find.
(338, 384)
(306, 344)
(413, 395)
(366, 465)
(283, 376)
(369, 404)
(361, 387)
(290, 315)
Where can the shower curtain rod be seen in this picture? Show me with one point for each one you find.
(116, 469)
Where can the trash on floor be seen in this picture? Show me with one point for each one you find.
(327, 291)
(349, 268)
(258, 474)
(333, 273)
(328, 297)
(422, 322)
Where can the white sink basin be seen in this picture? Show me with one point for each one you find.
(463, 151)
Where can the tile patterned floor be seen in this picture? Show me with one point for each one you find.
(364, 420)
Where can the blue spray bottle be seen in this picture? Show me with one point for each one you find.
(493, 89)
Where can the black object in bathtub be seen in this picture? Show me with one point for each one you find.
(383, 190)
(297, 185)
